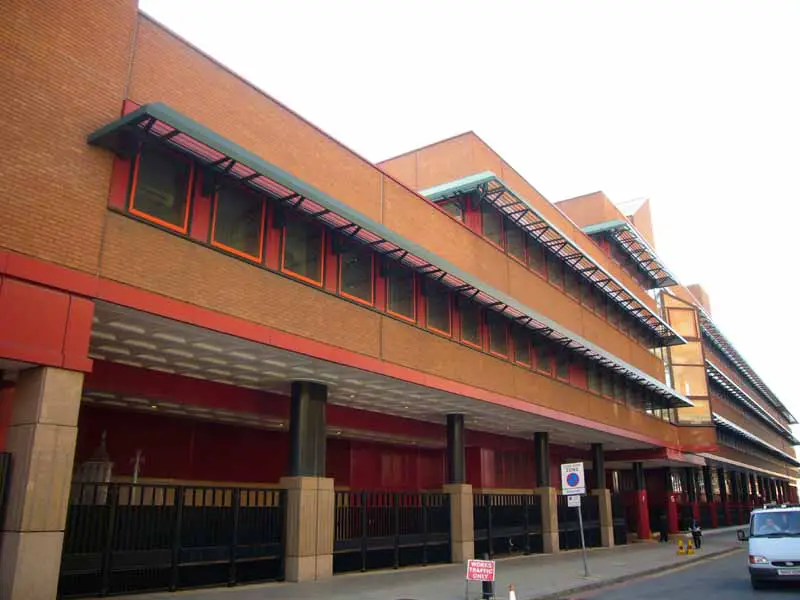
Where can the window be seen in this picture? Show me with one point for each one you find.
(161, 188)
(587, 295)
(542, 353)
(607, 383)
(613, 315)
(498, 333)
(599, 302)
(555, 270)
(593, 378)
(356, 274)
(572, 282)
(562, 365)
(619, 389)
(454, 208)
(492, 224)
(624, 324)
(515, 241)
(535, 256)
(438, 308)
(238, 224)
(400, 297)
(302, 249)
(522, 346)
(470, 323)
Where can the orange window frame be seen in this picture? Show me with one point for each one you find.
(189, 190)
(389, 311)
(429, 327)
(261, 233)
(343, 294)
(317, 283)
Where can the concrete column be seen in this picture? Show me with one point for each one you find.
(462, 524)
(310, 515)
(307, 433)
(456, 462)
(549, 502)
(41, 439)
(606, 517)
(541, 443)
(598, 468)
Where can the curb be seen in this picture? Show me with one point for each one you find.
(631, 576)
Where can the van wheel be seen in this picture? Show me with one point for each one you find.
(757, 584)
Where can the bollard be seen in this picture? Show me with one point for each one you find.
(512, 592)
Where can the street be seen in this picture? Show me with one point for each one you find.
(725, 577)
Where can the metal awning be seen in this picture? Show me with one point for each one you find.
(733, 427)
(223, 158)
(729, 386)
(493, 191)
(630, 241)
(712, 332)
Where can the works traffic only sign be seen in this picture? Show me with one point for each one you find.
(480, 570)
(572, 480)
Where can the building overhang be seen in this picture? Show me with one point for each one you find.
(628, 239)
(495, 192)
(724, 423)
(222, 158)
(712, 332)
(721, 461)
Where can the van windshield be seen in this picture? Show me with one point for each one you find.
(776, 523)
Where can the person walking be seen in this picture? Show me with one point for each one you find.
(662, 525)
(697, 533)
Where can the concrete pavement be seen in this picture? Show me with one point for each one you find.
(535, 577)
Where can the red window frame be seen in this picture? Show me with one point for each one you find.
(189, 190)
(389, 311)
(481, 336)
(261, 233)
(321, 252)
(343, 294)
(449, 315)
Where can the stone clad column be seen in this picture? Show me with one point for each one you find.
(310, 498)
(41, 439)
(547, 493)
(603, 494)
(462, 520)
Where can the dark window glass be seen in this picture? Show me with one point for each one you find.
(555, 270)
(587, 295)
(607, 383)
(562, 365)
(535, 256)
(302, 249)
(454, 208)
(492, 224)
(356, 274)
(599, 302)
(161, 188)
(400, 282)
(572, 282)
(498, 333)
(619, 389)
(624, 323)
(613, 314)
(515, 241)
(470, 322)
(542, 351)
(239, 222)
(438, 308)
(593, 378)
(522, 346)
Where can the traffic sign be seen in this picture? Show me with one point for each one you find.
(574, 501)
(480, 570)
(572, 480)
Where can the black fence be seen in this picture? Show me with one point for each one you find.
(379, 530)
(507, 524)
(124, 538)
(722, 517)
(5, 481)
(619, 520)
(705, 515)
(569, 532)
(685, 516)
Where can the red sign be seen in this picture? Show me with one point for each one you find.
(480, 570)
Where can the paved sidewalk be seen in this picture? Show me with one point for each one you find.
(535, 577)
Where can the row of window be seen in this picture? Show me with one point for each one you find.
(516, 243)
(720, 394)
(242, 223)
(627, 263)
(745, 446)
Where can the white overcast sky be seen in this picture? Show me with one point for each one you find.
(692, 104)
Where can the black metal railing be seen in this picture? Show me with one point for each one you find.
(124, 538)
(375, 530)
(619, 520)
(507, 524)
(5, 481)
(569, 533)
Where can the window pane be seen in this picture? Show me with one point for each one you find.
(535, 255)
(302, 252)
(522, 348)
(356, 265)
(239, 221)
(587, 296)
(613, 314)
(454, 207)
(572, 283)
(438, 303)
(619, 389)
(543, 360)
(593, 378)
(515, 241)
(562, 365)
(470, 322)
(492, 224)
(498, 333)
(555, 270)
(162, 185)
(607, 383)
(401, 291)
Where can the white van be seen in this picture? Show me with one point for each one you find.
(773, 544)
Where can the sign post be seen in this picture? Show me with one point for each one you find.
(573, 486)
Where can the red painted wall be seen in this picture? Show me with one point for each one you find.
(5, 414)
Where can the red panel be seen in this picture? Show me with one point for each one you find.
(128, 106)
(201, 213)
(120, 177)
(272, 256)
(33, 321)
(577, 375)
(380, 286)
(48, 274)
(331, 266)
(79, 330)
(337, 455)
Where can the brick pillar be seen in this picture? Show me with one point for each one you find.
(549, 502)
(309, 527)
(606, 517)
(462, 524)
(41, 438)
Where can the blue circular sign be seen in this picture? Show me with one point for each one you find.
(573, 479)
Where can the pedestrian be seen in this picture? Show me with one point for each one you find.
(697, 533)
(662, 525)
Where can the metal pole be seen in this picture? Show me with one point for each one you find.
(583, 541)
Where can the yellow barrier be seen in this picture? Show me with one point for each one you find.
(681, 549)
(689, 546)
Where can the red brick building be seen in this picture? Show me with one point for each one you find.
(233, 350)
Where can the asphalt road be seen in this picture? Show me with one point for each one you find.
(724, 578)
